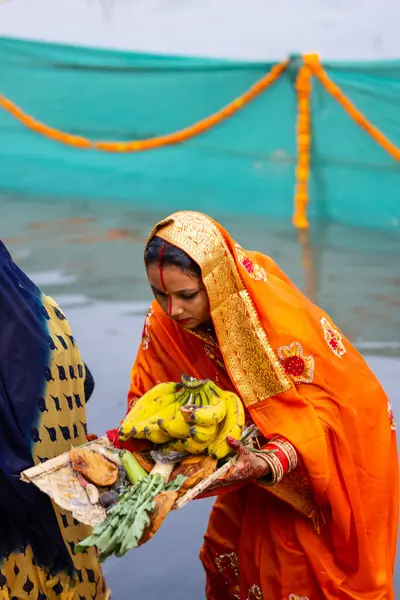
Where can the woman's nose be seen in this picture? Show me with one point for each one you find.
(175, 309)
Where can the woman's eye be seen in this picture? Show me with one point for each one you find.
(191, 296)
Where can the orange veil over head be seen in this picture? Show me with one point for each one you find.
(299, 377)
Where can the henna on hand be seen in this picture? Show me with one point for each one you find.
(249, 465)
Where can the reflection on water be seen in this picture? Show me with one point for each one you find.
(97, 250)
(90, 258)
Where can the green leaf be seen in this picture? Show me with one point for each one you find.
(176, 484)
(126, 521)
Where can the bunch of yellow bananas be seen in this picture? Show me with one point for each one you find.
(193, 416)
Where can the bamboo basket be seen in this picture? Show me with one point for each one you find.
(58, 480)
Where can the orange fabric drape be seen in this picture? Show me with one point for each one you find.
(301, 378)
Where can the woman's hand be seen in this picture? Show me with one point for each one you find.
(249, 465)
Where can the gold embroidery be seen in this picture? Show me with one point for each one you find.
(255, 593)
(204, 336)
(209, 351)
(211, 347)
(227, 565)
(391, 417)
(300, 368)
(295, 489)
(333, 338)
(248, 355)
(146, 334)
(253, 270)
(296, 597)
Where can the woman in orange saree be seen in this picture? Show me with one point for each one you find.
(324, 525)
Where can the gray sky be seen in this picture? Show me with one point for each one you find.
(249, 29)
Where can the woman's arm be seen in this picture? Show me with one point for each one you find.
(271, 463)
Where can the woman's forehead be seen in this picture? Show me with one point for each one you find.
(173, 278)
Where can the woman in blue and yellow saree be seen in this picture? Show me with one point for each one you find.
(44, 385)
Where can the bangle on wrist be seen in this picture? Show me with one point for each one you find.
(281, 458)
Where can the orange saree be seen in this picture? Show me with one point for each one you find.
(329, 528)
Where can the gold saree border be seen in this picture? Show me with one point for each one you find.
(248, 355)
(294, 489)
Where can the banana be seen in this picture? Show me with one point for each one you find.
(154, 400)
(195, 390)
(193, 398)
(204, 395)
(169, 411)
(232, 426)
(192, 382)
(149, 404)
(198, 399)
(205, 416)
(175, 426)
(212, 393)
(189, 445)
(192, 417)
(156, 435)
(210, 389)
(203, 434)
(176, 446)
(213, 390)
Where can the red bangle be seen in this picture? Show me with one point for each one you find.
(282, 459)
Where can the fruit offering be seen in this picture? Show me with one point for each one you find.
(134, 516)
(94, 467)
(194, 416)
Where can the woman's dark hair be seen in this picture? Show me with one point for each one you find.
(163, 253)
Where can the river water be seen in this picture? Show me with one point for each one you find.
(89, 257)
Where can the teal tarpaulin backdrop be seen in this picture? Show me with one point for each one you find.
(246, 164)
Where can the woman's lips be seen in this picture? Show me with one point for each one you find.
(183, 321)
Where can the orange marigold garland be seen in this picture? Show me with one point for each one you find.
(311, 67)
(156, 142)
(349, 107)
(303, 87)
